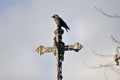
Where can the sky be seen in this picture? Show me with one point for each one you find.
(26, 24)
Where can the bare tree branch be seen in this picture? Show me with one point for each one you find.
(116, 41)
(115, 70)
(102, 55)
(100, 65)
(108, 15)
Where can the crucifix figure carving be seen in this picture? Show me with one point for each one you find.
(58, 50)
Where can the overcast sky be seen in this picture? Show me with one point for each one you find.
(26, 24)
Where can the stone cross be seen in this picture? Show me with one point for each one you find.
(58, 50)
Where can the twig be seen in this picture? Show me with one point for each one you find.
(116, 41)
(108, 15)
(102, 55)
(115, 70)
(100, 65)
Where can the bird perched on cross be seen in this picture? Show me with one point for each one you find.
(60, 23)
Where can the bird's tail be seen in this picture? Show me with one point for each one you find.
(67, 28)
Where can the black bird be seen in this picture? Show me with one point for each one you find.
(60, 22)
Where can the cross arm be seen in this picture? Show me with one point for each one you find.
(76, 47)
(42, 49)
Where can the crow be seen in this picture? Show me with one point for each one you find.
(60, 22)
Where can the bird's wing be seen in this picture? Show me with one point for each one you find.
(61, 20)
